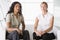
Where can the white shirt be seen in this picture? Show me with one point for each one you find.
(44, 22)
(14, 21)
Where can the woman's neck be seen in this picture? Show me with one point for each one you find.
(44, 13)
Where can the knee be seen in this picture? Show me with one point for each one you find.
(26, 32)
(46, 37)
(14, 32)
(34, 33)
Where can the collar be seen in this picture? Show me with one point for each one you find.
(13, 14)
(45, 14)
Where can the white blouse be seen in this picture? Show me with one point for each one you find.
(44, 21)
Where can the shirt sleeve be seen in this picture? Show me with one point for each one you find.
(8, 18)
(38, 16)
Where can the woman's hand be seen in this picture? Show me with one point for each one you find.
(42, 32)
(38, 33)
(19, 31)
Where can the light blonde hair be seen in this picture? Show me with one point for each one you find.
(45, 4)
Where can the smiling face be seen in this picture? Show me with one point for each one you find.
(44, 6)
(17, 8)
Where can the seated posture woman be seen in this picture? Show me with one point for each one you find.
(44, 24)
(13, 20)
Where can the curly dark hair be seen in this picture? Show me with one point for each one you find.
(11, 10)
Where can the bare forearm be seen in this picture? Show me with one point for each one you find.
(23, 28)
(11, 29)
(47, 30)
(35, 28)
(51, 25)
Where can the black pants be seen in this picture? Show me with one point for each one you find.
(15, 36)
(46, 36)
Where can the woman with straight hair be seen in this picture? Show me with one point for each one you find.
(44, 24)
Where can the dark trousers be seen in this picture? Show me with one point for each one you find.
(46, 36)
(15, 36)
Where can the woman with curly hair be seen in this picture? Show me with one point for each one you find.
(13, 20)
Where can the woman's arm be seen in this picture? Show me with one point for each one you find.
(51, 25)
(38, 33)
(9, 27)
(36, 24)
(23, 26)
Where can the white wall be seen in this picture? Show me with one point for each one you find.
(30, 8)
